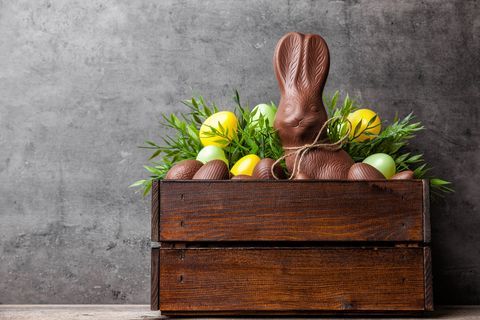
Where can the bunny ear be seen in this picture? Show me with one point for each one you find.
(301, 62)
(286, 60)
(315, 62)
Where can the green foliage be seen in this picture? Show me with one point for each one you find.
(439, 186)
(337, 128)
(392, 140)
(185, 144)
(258, 137)
(253, 137)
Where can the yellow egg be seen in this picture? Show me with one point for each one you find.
(223, 119)
(364, 116)
(245, 165)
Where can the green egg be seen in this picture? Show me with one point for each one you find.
(210, 153)
(268, 112)
(383, 163)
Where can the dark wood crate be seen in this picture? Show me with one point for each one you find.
(291, 247)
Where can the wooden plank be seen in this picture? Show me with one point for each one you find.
(154, 278)
(155, 207)
(296, 314)
(78, 312)
(426, 211)
(248, 280)
(427, 262)
(291, 210)
(155, 255)
(141, 312)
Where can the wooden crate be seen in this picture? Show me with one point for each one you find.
(291, 247)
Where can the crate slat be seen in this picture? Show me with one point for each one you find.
(427, 256)
(154, 279)
(155, 210)
(426, 211)
(250, 280)
(293, 211)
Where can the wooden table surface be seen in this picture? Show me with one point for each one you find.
(142, 312)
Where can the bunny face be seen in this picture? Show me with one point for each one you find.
(301, 64)
(299, 118)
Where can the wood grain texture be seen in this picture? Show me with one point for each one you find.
(250, 210)
(291, 280)
(154, 280)
(427, 232)
(296, 314)
(427, 262)
(155, 207)
(141, 312)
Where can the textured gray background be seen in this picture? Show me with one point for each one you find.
(82, 83)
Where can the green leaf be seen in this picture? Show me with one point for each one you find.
(153, 144)
(236, 98)
(402, 158)
(415, 158)
(335, 99)
(155, 154)
(152, 170)
(148, 186)
(357, 129)
(137, 183)
(439, 182)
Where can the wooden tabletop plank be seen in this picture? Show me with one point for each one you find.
(141, 312)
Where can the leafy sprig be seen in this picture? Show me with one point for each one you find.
(255, 135)
(185, 144)
(392, 140)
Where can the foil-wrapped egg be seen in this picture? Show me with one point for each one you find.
(363, 171)
(263, 170)
(404, 175)
(183, 170)
(212, 170)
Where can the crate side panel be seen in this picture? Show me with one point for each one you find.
(426, 211)
(154, 279)
(427, 256)
(291, 280)
(155, 210)
(291, 211)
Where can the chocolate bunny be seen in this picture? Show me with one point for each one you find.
(301, 63)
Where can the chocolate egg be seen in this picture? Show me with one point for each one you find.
(404, 175)
(183, 170)
(242, 177)
(363, 171)
(263, 170)
(212, 170)
(302, 176)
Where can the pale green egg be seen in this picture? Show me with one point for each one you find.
(383, 163)
(267, 111)
(210, 153)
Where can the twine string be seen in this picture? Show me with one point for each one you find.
(301, 151)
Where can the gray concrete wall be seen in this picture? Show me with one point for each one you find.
(82, 83)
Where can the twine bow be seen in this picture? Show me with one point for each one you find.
(302, 150)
